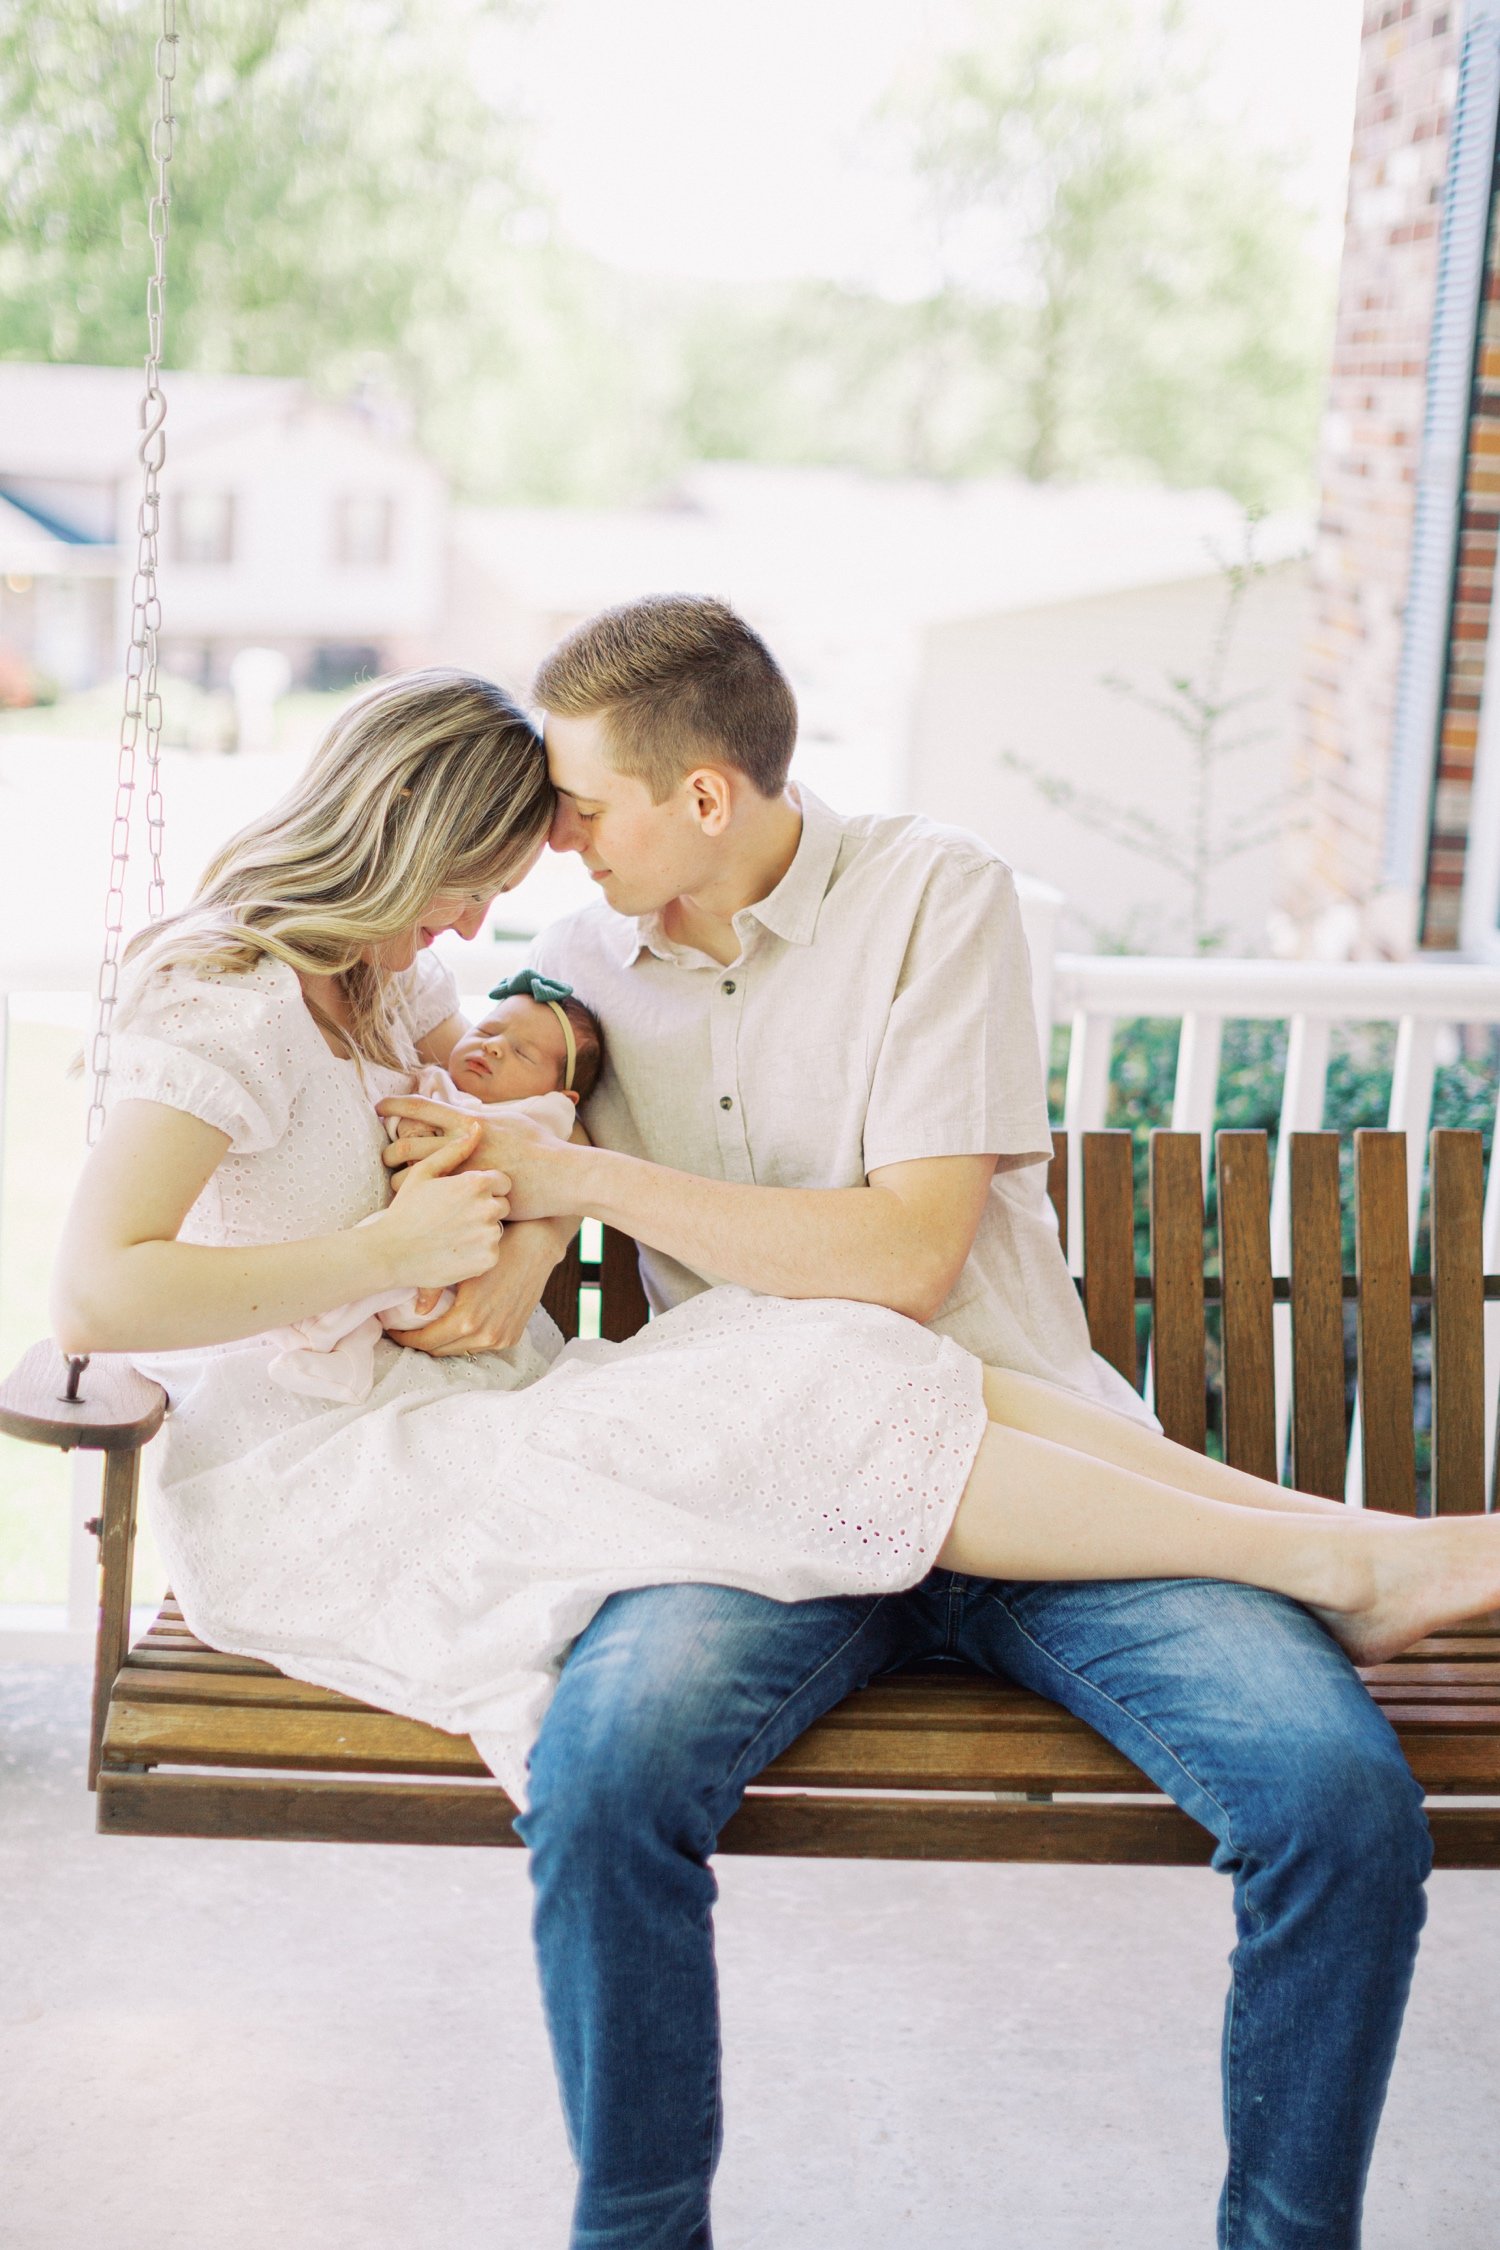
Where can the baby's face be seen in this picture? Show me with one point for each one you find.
(518, 1049)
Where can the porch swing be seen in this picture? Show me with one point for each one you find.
(187, 1741)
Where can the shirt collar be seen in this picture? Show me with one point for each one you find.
(790, 912)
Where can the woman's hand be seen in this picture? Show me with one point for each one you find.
(540, 1169)
(440, 1230)
(490, 1314)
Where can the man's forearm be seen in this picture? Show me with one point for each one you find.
(900, 1240)
(786, 1242)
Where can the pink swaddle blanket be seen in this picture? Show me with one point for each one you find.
(332, 1356)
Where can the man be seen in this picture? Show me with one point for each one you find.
(823, 1080)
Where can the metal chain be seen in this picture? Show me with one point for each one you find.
(142, 702)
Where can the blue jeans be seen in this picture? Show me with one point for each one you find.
(1236, 1703)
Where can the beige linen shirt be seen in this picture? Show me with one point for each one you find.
(879, 1011)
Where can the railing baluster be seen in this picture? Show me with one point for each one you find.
(1245, 1271)
(1085, 1102)
(1411, 1104)
(1457, 1324)
(1196, 1084)
(1177, 1338)
(1383, 1258)
(1109, 1248)
(1317, 1314)
(1057, 1187)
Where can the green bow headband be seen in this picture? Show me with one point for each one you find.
(530, 984)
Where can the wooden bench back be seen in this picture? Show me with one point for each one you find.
(1206, 1307)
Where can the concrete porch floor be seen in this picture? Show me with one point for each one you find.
(307, 2047)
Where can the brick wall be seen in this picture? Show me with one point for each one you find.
(1368, 464)
(1469, 629)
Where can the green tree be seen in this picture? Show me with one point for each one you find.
(1114, 288)
(336, 186)
(1140, 284)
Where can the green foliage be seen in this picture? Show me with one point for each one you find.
(1141, 284)
(1115, 287)
(337, 186)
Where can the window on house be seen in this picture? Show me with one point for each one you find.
(362, 529)
(203, 527)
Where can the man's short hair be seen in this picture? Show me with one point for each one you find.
(678, 681)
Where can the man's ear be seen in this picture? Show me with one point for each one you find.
(713, 798)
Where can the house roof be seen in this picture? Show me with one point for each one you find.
(911, 548)
(33, 548)
(81, 422)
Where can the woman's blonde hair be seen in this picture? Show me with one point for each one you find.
(430, 782)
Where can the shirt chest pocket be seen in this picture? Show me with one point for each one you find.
(805, 1106)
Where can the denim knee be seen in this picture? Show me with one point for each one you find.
(626, 1781)
(1351, 1808)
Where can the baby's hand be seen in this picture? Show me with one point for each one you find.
(415, 1131)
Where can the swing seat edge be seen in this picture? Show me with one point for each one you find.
(119, 1410)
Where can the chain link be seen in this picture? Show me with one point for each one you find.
(142, 709)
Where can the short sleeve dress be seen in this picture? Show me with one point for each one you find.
(437, 1548)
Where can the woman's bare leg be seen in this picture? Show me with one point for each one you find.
(1035, 1509)
(1022, 1403)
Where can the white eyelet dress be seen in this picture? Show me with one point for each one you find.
(437, 1548)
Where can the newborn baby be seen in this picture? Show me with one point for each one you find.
(537, 1039)
(537, 1048)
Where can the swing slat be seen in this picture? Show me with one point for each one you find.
(1057, 1187)
(1245, 1270)
(1457, 1324)
(1177, 1332)
(1109, 1236)
(926, 1765)
(1317, 1297)
(1383, 1262)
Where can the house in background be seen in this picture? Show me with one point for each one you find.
(927, 628)
(1400, 747)
(287, 523)
(1065, 667)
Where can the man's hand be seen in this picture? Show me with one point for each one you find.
(489, 1314)
(536, 1162)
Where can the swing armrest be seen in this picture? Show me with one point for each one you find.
(116, 1410)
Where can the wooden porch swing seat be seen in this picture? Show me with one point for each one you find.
(189, 1742)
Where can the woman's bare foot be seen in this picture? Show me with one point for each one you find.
(1408, 1578)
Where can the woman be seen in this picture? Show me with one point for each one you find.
(436, 1548)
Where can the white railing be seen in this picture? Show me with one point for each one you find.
(1096, 992)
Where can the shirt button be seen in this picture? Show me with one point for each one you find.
(727, 985)
(726, 1101)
